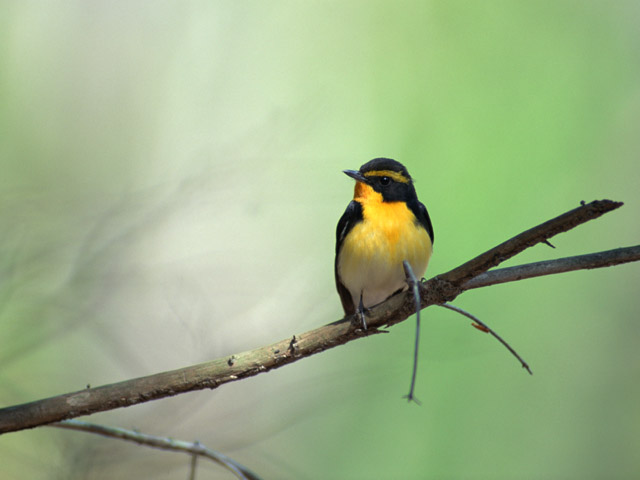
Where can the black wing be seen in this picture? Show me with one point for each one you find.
(420, 211)
(351, 216)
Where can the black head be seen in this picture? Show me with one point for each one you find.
(388, 177)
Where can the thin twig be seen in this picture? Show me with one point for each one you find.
(195, 448)
(487, 329)
(441, 289)
(414, 285)
(193, 466)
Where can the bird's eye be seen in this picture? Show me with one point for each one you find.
(384, 181)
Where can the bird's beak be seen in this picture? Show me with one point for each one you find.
(356, 175)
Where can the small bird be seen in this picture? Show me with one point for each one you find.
(383, 225)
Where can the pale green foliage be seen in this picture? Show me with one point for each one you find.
(171, 180)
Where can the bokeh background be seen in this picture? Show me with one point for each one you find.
(169, 187)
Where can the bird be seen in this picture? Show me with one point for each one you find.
(384, 225)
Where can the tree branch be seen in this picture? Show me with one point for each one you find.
(526, 239)
(438, 290)
(195, 448)
(559, 265)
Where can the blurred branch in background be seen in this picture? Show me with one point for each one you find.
(195, 448)
(438, 290)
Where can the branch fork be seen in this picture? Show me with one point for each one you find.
(436, 291)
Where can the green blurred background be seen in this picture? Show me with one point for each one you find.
(170, 184)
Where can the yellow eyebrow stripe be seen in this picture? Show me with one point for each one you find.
(397, 176)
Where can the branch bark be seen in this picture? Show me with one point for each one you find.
(438, 290)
